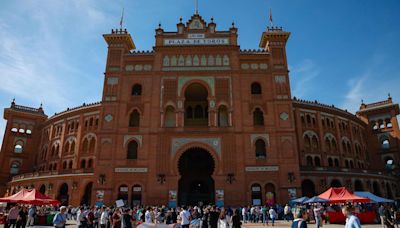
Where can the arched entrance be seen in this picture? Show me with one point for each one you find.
(87, 196)
(377, 190)
(196, 105)
(63, 196)
(42, 189)
(136, 195)
(335, 183)
(196, 185)
(358, 186)
(308, 188)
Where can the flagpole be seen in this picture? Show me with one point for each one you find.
(122, 18)
(270, 18)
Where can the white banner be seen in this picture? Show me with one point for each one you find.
(205, 41)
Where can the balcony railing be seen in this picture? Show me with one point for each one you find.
(339, 169)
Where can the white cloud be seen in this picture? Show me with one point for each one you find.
(372, 84)
(302, 76)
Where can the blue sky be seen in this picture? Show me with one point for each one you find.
(339, 52)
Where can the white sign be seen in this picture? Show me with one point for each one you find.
(119, 203)
(130, 170)
(205, 41)
(196, 36)
(261, 168)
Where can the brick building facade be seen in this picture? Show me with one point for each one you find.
(197, 119)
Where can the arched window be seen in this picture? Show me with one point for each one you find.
(85, 145)
(348, 147)
(314, 143)
(317, 161)
(83, 164)
(256, 196)
(18, 148)
(258, 117)
(132, 150)
(136, 90)
(90, 163)
(134, 119)
(256, 88)
(64, 165)
(198, 112)
(189, 112)
(261, 151)
(336, 162)
(330, 162)
(307, 142)
(223, 116)
(385, 144)
(346, 163)
(72, 147)
(169, 117)
(344, 146)
(308, 119)
(309, 161)
(328, 145)
(70, 165)
(14, 169)
(351, 164)
(92, 145)
(334, 146)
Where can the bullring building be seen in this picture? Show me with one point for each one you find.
(199, 120)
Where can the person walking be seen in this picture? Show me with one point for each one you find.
(222, 223)
(12, 216)
(185, 217)
(272, 215)
(104, 217)
(286, 213)
(31, 216)
(236, 219)
(264, 212)
(300, 220)
(22, 217)
(317, 215)
(351, 220)
(60, 219)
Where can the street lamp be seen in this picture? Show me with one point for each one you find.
(161, 178)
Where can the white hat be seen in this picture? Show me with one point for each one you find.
(63, 208)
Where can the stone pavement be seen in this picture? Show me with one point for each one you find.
(278, 224)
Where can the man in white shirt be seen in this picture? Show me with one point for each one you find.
(147, 216)
(185, 218)
(104, 217)
(351, 220)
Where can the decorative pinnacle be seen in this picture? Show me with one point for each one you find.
(212, 19)
(180, 19)
(159, 25)
(233, 24)
(389, 96)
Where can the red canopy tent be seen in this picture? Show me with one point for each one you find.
(341, 195)
(30, 196)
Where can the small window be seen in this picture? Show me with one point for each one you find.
(18, 149)
(83, 164)
(336, 162)
(330, 162)
(21, 130)
(317, 161)
(309, 161)
(136, 90)
(258, 117)
(14, 169)
(134, 119)
(28, 132)
(385, 144)
(255, 88)
(14, 129)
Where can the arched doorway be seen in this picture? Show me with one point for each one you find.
(377, 190)
(358, 186)
(63, 196)
(87, 195)
(389, 193)
(335, 183)
(196, 165)
(270, 195)
(256, 197)
(136, 195)
(196, 105)
(308, 188)
(42, 189)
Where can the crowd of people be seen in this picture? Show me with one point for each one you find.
(194, 217)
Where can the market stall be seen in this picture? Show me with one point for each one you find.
(32, 197)
(342, 195)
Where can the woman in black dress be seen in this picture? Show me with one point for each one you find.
(236, 219)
